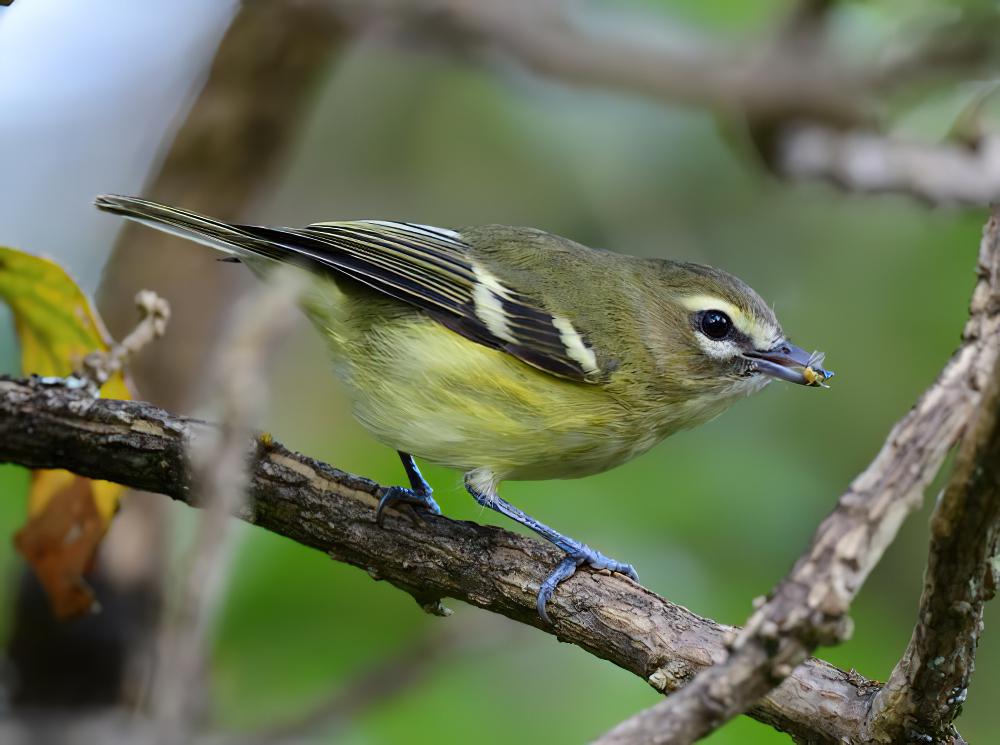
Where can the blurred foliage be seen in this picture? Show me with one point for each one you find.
(67, 514)
(711, 518)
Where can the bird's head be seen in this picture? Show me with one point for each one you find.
(731, 341)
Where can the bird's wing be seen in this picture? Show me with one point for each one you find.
(433, 269)
(429, 268)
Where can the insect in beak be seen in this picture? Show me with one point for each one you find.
(794, 364)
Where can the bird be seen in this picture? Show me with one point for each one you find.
(511, 353)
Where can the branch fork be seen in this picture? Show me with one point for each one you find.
(154, 312)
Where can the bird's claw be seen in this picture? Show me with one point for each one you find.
(566, 568)
(395, 495)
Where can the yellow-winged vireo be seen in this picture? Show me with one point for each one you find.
(511, 353)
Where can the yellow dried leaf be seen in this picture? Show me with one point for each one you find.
(68, 515)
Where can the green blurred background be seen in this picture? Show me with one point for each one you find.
(711, 518)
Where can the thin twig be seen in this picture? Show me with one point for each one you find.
(154, 314)
(220, 473)
(810, 606)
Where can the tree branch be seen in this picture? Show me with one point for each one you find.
(549, 38)
(810, 606)
(870, 162)
(319, 506)
(812, 110)
(929, 684)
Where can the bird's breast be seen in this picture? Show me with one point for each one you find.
(423, 389)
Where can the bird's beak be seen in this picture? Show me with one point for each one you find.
(794, 364)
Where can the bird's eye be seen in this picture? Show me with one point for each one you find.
(715, 324)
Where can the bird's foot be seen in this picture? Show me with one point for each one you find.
(396, 495)
(577, 554)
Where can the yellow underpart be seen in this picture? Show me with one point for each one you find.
(424, 389)
(431, 392)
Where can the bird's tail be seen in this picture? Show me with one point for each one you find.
(231, 239)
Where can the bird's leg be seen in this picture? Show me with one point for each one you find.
(577, 553)
(418, 495)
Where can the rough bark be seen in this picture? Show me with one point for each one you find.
(929, 684)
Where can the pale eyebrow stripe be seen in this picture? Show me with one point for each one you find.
(711, 302)
(759, 334)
